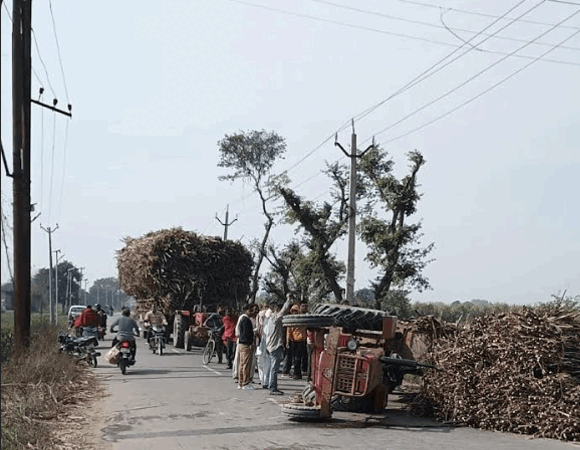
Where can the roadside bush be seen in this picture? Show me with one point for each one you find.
(35, 388)
(6, 346)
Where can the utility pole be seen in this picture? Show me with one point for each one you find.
(21, 72)
(352, 214)
(50, 231)
(56, 284)
(226, 224)
(81, 286)
(86, 281)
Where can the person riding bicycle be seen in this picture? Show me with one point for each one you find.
(215, 323)
(153, 318)
(126, 326)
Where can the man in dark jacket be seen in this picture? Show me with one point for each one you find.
(246, 347)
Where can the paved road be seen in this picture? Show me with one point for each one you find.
(173, 401)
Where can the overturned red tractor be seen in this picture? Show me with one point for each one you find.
(355, 363)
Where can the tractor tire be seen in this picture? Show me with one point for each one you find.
(308, 320)
(309, 396)
(352, 404)
(187, 341)
(179, 326)
(301, 413)
(352, 317)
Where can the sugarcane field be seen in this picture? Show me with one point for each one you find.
(307, 225)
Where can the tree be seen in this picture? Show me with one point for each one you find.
(40, 286)
(393, 244)
(251, 156)
(107, 291)
(323, 225)
(295, 271)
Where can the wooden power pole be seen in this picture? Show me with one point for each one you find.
(226, 224)
(21, 72)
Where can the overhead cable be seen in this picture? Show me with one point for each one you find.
(480, 94)
(476, 75)
(476, 13)
(58, 51)
(429, 24)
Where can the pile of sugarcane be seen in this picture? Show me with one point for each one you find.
(517, 372)
(177, 269)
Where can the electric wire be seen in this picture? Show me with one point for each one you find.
(566, 2)
(476, 75)
(33, 70)
(42, 62)
(51, 166)
(480, 94)
(475, 13)
(429, 24)
(41, 155)
(58, 51)
(433, 69)
(63, 178)
(376, 30)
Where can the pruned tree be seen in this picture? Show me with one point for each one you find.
(323, 224)
(251, 156)
(296, 271)
(394, 246)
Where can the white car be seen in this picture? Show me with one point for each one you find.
(74, 311)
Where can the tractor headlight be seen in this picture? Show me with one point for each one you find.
(352, 344)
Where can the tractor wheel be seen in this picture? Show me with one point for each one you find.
(301, 412)
(309, 396)
(308, 320)
(179, 327)
(187, 341)
(352, 317)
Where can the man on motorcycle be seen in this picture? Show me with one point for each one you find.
(153, 318)
(125, 328)
(102, 321)
(88, 320)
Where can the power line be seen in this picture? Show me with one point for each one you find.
(476, 75)
(376, 30)
(58, 51)
(43, 65)
(562, 1)
(475, 13)
(62, 183)
(426, 74)
(428, 24)
(51, 166)
(33, 71)
(480, 94)
(41, 154)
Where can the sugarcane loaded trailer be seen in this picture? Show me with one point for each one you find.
(184, 274)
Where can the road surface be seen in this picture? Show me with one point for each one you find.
(175, 402)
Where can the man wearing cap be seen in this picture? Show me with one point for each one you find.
(275, 343)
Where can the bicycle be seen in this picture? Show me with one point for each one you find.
(210, 349)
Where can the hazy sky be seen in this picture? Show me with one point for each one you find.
(155, 85)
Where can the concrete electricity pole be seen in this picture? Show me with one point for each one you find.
(226, 224)
(56, 285)
(21, 72)
(49, 231)
(352, 216)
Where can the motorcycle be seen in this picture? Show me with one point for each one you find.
(81, 348)
(102, 333)
(126, 355)
(156, 339)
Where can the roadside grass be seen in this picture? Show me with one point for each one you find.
(37, 388)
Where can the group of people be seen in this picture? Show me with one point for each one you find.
(90, 320)
(258, 340)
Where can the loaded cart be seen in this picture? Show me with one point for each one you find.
(354, 363)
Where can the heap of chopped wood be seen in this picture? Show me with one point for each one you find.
(176, 269)
(516, 372)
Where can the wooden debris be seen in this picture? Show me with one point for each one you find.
(516, 372)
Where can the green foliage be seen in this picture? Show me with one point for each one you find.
(40, 285)
(297, 271)
(250, 156)
(394, 246)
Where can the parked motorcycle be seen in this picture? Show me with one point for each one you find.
(126, 355)
(156, 339)
(81, 348)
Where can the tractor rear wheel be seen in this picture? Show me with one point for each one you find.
(308, 320)
(179, 326)
(301, 412)
(352, 317)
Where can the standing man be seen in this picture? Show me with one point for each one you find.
(275, 343)
(229, 336)
(246, 347)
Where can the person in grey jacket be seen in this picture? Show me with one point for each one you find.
(125, 328)
(275, 343)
